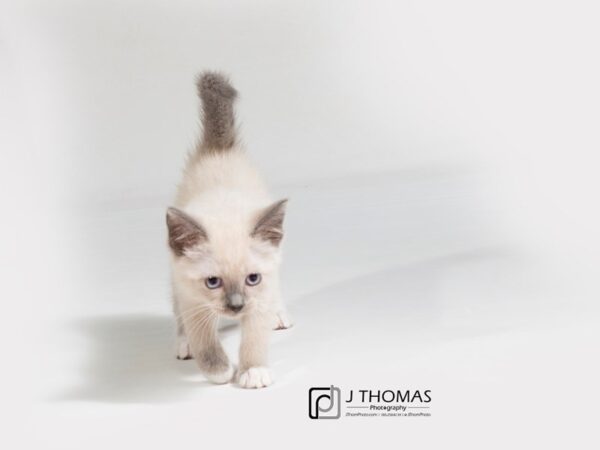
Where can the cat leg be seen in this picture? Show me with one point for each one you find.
(182, 347)
(283, 321)
(254, 344)
(206, 348)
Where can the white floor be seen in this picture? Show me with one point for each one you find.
(397, 281)
(463, 259)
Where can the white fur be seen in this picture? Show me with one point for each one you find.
(223, 377)
(182, 348)
(284, 321)
(255, 377)
(224, 194)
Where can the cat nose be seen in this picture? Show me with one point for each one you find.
(235, 308)
(235, 302)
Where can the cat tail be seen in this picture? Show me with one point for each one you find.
(218, 117)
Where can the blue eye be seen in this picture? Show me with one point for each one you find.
(213, 282)
(253, 279)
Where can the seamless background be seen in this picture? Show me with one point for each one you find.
(441, 160)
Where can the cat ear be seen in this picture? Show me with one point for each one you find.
(269, 226)
(184, 232)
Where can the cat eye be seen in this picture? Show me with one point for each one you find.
(213, 282)
(253, 279)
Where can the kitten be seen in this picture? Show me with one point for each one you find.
(225, 236)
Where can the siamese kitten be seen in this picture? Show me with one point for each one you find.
(225, 236)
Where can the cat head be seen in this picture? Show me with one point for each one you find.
(225, 266)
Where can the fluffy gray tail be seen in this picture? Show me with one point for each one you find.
(218, 118)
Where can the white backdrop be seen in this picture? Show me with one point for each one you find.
(441, 162)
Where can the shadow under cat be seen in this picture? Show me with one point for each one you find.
(132, 358)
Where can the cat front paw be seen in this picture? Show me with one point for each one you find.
(254, 378)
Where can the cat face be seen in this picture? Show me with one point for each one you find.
(229, 269)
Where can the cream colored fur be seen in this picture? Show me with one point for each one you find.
(223, 195)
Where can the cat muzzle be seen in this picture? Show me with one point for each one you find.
(235, 302)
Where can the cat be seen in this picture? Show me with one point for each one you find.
(224, 236)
